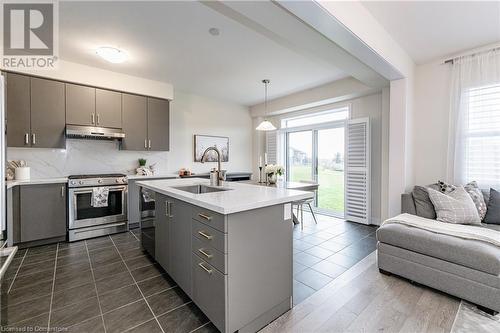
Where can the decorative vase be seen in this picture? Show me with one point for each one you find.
(271, 178)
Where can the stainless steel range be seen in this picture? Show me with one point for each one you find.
(87, 219)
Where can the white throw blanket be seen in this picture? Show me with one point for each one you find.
(99, 197)
(458, 230)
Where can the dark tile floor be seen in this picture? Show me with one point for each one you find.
(108, 284)
(323, 251)
(105, 284)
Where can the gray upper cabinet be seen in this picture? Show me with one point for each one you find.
(35, 112)
(135, 126)
(158, 124)
(42, 211)
(18, 110)
(48, 116)
(108, 108)
(80, 105)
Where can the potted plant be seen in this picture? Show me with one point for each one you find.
(142, 162)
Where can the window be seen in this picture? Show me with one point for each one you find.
(482, 135)
(317, 118)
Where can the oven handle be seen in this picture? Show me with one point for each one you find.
(89, 189)
(100, 227)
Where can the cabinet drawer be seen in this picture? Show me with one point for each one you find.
(213, 219)
(208, 236)
(209, 290)
(209, 254)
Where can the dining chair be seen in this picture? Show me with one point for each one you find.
(300, 205)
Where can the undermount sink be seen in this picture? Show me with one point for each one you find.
(199, 189)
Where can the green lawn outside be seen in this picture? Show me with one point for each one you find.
(331, 189)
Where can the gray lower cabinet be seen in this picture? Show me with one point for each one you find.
(135, 122)
(48, 115)
(108, 108)
(162, 232)
(18, 110)
(180, 243)
(35, 112)
(240, 265)
(42, 212)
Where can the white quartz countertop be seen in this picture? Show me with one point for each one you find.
(167, 175)
(240, 197)
(12, 183)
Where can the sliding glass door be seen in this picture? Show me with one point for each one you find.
(317, 154)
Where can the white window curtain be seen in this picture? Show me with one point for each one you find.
(474, 131)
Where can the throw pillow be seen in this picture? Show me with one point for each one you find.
(455, 207)
(477, 196)
(493, 212)
(423, 204)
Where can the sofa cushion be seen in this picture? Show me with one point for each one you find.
(423, 204)
(474, 254)
(455, 207)
(477, 197)
(493, 213)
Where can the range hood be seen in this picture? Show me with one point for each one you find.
(90, 132)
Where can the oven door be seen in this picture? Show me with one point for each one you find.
(83, 214)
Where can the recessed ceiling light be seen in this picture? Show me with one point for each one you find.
(214, 31)
(111, 54)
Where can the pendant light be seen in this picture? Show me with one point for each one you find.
(266, 125)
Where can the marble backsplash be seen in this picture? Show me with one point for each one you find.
(85, 157)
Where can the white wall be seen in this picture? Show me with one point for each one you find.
(193, 114)
(78, 73)
(430, 125)
(190, 114)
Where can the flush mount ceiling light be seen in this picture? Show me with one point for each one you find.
(111, 54)
(266, 125)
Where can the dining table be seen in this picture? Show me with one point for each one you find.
(300, 186)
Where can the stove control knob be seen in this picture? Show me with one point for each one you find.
(99, 181)
(73, 182)
(80, 182)
(118, 180)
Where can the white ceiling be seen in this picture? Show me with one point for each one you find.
(169, 41)
(431, 29)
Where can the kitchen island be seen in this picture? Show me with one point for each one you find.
(228, 247)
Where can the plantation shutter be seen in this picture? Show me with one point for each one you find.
(357, 173)
(272, 147)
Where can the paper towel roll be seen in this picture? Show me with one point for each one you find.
(23, 173)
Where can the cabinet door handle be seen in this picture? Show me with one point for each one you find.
(209, 271)
(207, 236)
(170, 210)
(149, 144)
(205, 217)
(208, 255)
(63, 189)
(33, 138)
(27, 139)
(145, 143)
(98, 116)
(92, 118)
(167, 207)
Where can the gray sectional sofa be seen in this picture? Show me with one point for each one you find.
(464, 268)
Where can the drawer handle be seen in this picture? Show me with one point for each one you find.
(206, 217)
(207, 236)
(208, 255)
(209, 271)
